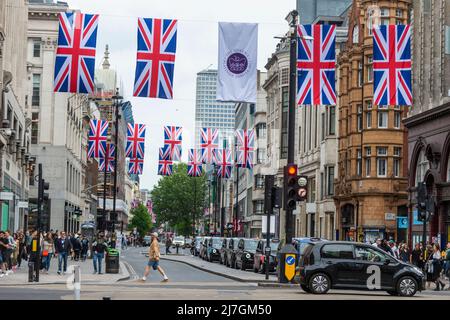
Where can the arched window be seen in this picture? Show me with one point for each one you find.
(355, 34)
(422, 166)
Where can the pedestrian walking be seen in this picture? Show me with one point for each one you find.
(48, 250)
(437, 267)
(84, 248)
(76, 247)
(124, 242)
(22, 249)
(154, 256)
(99, 247)
(394, 249)
(3, 247)
(62, 250)
(404, 254)
(168, 244)
(417, 258)
(447, 262)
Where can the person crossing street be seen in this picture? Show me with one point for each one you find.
(153, 262)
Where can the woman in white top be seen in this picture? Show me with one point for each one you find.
(437, 267)
(47, 251)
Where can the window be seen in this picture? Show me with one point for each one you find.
(36, 48)
(381, 162)
(368, 161)
(322, 185)
(259, 207)
(259, 181)
(370, 69)
(356, 34)
(35, 99)
(397, 119)
(359, 163)
(369, 254)
(384, 12)
(369, 105)
(34, 127)
(397, 153)
(332, 119)
(359, 118)
(399, 13)
(261, 155)
(398, 21)
(337, 251)
(312, 190)
(422, 167)
(360, 79)
(284, 122)
(322, 124)
(369, 119)
(330, 181)
(261, 130)
(385, 21)
(382, 119)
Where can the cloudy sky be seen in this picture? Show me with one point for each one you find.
(197, 45)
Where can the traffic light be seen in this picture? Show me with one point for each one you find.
(422, 201)
(276, 197)
(291, 186)
(42, 187)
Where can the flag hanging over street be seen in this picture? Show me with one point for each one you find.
(75, 54)
(135, 141)
(165, 161)
(238, 43)
(209, 141)
(245, 148)
(109, 160)
(223, 160)
(316, 64)
(156, 48)
(98, 132)
(173, 139)
(194, 163)
(135, 166)
(392, 65)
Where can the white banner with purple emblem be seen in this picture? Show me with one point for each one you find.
(238, 43)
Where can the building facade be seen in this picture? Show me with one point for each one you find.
(429, 118)
(309, 10)
(371, 180)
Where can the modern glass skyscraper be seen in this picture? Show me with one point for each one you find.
(210, 113)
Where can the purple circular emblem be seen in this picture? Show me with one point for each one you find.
(237, 63)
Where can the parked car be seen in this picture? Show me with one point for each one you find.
(327, 265)
(212, 252)
(147, 241)
(197, 245)
(231, 251)
(223, 251)
(259, 258)
(178, 241)
(187, 243)
(244, 254)
(203, 247)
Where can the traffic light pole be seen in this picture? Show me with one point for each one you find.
(104, 191)
(235, 224)
(116, 138)
(268, 207)
(38, 240)
(292, 105)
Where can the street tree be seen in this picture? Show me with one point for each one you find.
(179, 199)
(141, 220)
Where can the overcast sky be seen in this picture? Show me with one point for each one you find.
(197, 45)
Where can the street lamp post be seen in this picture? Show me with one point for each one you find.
(116, 98)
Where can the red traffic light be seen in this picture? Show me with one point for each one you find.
(292, 170)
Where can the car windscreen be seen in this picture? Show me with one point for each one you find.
(274, 246)
(179, 239)
(250, 245)
(308, 257)
(217, 243)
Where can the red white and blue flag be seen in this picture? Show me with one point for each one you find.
(135, 141)
(109, 160)
(165, 162)
(209, 141)
(75, 55)
(392, 65)
(245, 148)
(172, 139)
(223, 160)
(156, 48)
(316, 63)
(194, 163)
(135, 166)
(98, 132)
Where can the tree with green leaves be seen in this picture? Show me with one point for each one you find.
(179, 199)
(141, 220)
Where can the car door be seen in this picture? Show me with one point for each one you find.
(338, 261)
(258, 254)
(239, 252)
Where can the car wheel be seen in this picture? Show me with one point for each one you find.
(305, 288)
(392, 292)
(407, 286)
(319, 283)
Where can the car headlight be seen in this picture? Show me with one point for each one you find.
(419, 271)
(247, 255)
(214, 251)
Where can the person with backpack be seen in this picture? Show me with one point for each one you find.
(99, 247)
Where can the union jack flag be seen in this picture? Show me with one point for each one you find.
(109, 160)
(135, 141)
(245, 147)
(392, 65)
(172, 139)
(165, 162)
(157, 41)
(316, 63)
(75, 55)
(135, 166)
(223, 160)
(209, 141)
(98, 133)
(194, 163)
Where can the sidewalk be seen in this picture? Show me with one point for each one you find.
(221, 270)
(20, 276)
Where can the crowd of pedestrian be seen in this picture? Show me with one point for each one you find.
(434, 262)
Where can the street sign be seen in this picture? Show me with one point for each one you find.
(302, 192)
(22, 204)
(7, 196)
(302, 181)
(289, 268)
(267, 250)
(389, 216)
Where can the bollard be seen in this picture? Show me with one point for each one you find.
(76, 281)
(30, 271)
(177, 247)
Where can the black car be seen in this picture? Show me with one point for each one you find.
(350, 265)
(231, 251)
(244, 254)
(223, 251)
(259, 257)
(212, 250)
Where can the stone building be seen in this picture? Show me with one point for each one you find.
(371, 181)
(429, 119)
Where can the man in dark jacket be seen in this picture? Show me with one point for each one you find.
(62, 249)
(99, 247)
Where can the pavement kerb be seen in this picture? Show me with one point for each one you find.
(219, 273)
